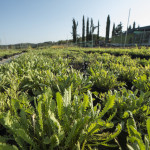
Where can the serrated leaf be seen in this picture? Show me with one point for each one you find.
(59, 105)
(110, 103)
(39, 108)
(21, 133)
(85, 102)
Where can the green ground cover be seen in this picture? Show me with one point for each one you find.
(8, 52)
(135, 51)
(73, 98)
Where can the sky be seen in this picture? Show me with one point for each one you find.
(36, 21)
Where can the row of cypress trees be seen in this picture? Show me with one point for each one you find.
(87, 33)
(89, 29)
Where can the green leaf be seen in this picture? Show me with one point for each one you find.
(131, 122)
(125, 115)
(112, 116)
(67, 97)
(148, 127)
(54, 140)
(139, 142)
(21, 143)
(7, 119)
(54, 122)
(147, 142)
(91, 102)
(46, 140)
(92, 72)
(23, 119)
(133, 147)
(135, 132)
(21, 133)
(77, 146)
(59, 105)
(70, 136)
(85, 102)
(83, 145)
(94, 127)
(109, 145)
(108, 105)
(4, 146)
(115, 134)
(39, 108)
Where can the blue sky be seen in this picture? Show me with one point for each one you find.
(36, 21)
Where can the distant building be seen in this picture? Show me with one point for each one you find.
(138, 36)
(141, 35)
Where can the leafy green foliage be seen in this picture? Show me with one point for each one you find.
(142, 83)
(7, 147)
(72, 121)
(46, 96)
(148, 127)
(135, 140)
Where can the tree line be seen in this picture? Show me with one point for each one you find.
(88, 29)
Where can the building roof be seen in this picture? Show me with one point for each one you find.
(138, 30)
(146, 28)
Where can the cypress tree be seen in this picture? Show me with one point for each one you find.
(90, 35)
(91, 30)
(134, 25)
(83, 30)
(87, 30)
(98, 31)
(107, 29)
(113, 30)
(74, 30)
(129, 28)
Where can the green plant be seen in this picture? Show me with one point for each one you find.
(135, 140)
(67, 123)
(142, 83)
(43, 95)
(104, 80)
(127, 100)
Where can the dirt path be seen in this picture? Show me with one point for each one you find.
(7, 60)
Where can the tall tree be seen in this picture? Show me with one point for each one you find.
(87, 30)
(129, 28)
(134, 25)
(91, 30)
(90, 35)
(113, 30)
(107, 29)
(118, 29)
(83, 30)
(74, 30)
(98, 30)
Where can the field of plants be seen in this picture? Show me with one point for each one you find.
(76, 98)
(8, 53)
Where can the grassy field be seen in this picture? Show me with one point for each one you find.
(76, 98)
